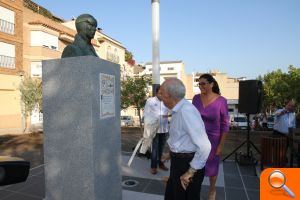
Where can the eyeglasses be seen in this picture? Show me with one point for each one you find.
(202, 84)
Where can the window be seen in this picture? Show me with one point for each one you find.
(150, 70)
(36, 69)
(40, 38)
(116, 56)
(7, 55)
(109, 54)
(170, 68)
(112, 56)
(7, 21)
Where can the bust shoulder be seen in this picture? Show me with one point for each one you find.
(71, 50)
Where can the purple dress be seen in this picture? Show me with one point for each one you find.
(216, 121)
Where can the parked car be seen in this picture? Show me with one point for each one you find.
(127, 121)
(270, 122)
(239, 122)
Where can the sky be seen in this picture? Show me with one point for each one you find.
(243, 38)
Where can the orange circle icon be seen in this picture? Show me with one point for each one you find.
(277, 179)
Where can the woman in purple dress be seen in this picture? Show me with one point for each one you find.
(214, 112)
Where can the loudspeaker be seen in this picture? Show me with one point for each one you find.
(250, 96)
(13, 170)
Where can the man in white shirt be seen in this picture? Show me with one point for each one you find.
(188, 142)
(155, 107)
(285, 119)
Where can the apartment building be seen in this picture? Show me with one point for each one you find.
(11, 62)
(168, 69)
(229, 87)
(29, 34)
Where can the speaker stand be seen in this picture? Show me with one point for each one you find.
(248, 158)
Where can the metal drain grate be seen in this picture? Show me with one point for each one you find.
(130, 183)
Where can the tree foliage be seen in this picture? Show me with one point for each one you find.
(31, 94)
(129, 58)
(134, 93)
(280, 86)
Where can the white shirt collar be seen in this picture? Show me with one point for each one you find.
(178, 105)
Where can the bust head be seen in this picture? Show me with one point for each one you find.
(86, 26)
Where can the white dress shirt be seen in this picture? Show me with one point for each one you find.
(187, 133)
(283, 122)
(157, 108)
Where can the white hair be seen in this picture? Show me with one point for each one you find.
(175, 88)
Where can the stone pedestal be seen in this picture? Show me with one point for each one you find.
(82, 148)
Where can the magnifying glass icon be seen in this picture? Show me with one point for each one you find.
(277, 180)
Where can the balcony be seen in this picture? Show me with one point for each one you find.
(7, 27)
(7, 62)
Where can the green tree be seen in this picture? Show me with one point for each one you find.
(129, 58)
(31, 95)
(279, 87)
(134, 93)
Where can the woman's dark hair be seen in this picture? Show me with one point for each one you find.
(211, 79)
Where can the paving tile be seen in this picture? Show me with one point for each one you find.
(230, 168)
(233, 181)
(219, 196)
(247, 170)
(155, 187)
(37, 189)
(37, 170)
(5, 193)
(17, 196)
(140, 187)
(19, 186)
(251, 182)
(235, 194)
(131, 195)
(253, 194)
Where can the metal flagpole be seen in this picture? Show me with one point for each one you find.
(155, 46)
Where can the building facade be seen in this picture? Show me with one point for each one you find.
(229, 87)
(168, 69)
(29, 34)
(11, 62)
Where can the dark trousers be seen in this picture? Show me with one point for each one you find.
(174, 190)
(158, 144)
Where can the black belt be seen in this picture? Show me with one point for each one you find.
(181, 155)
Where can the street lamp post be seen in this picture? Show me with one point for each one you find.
(155, 46)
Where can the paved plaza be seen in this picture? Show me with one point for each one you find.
(234, 181)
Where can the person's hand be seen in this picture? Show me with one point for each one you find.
(186, 179)
(284, 112)
(165, 157)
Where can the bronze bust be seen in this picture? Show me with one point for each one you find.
(86, 27)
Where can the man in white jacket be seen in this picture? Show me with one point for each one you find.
(156, 108)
